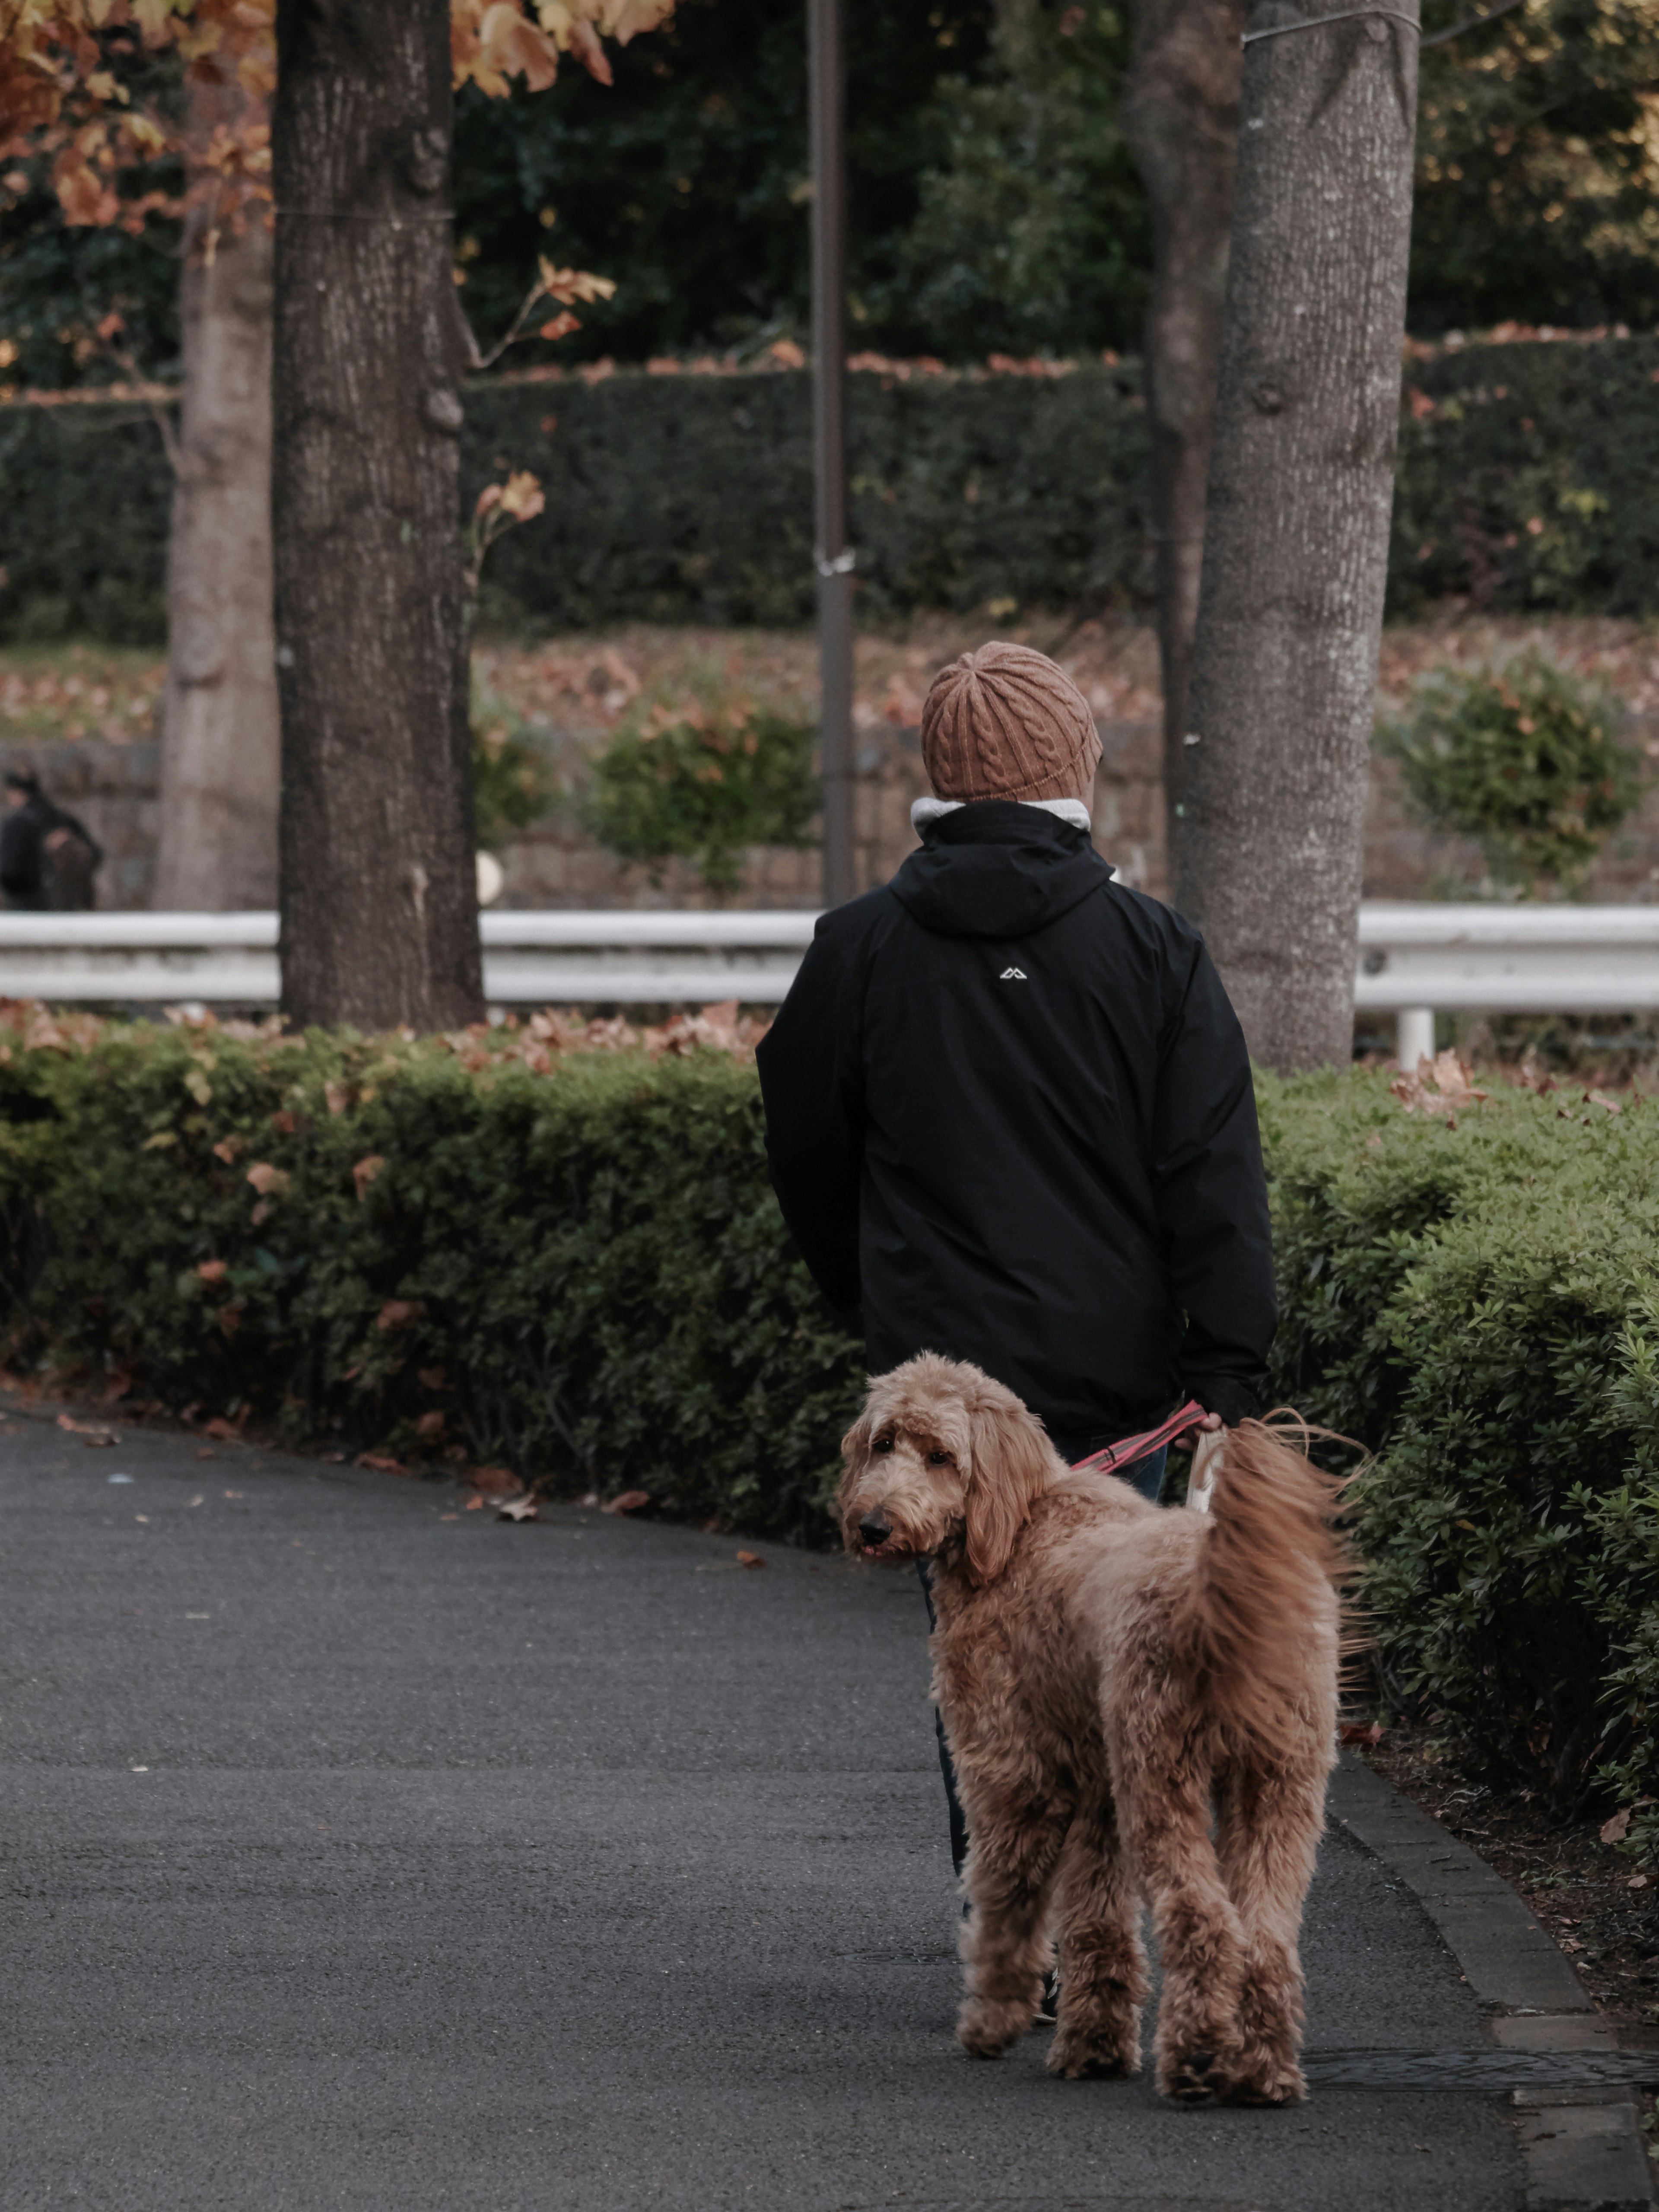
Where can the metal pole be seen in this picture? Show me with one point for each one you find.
(833, 553)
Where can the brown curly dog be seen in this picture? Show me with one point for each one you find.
(1108, 1672)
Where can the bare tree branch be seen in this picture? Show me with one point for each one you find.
(1470, 23)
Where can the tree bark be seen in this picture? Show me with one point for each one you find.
(380, 923)
(220, 733)
(1181, 117)
(1269, 844)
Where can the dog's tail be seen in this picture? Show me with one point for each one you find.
(1263, 1609)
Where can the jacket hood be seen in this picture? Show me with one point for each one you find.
(998, 869)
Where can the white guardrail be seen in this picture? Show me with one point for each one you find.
(1414, 959)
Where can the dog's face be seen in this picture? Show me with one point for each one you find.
(941, 1459)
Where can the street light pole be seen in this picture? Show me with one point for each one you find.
(833, 553)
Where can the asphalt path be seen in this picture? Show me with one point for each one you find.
(361, 1854)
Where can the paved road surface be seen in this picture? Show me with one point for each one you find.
(358, 1857)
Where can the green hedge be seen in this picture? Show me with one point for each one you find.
(689, 498)
(583, 1271)
(1480, 1303)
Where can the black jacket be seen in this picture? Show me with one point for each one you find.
(27, 877)
(1009, 1111)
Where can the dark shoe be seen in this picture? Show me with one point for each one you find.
(1047, 2011)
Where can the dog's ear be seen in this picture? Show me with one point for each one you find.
(1010, 1458)
(855, 1451)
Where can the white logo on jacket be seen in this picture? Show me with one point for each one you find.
(1013, 975)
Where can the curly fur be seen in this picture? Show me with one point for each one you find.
(1112, 1677)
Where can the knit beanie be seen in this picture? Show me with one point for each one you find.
(1006, 723)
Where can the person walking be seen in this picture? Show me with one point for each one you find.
(1009, 1111)
(47, 858)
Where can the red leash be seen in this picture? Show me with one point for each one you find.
(1127, 1449)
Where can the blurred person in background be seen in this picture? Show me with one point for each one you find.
(47, 858)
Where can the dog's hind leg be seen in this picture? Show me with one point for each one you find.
(1013, 1847)
(1103, 1966)
(1268, 1826)
(1163, 1789)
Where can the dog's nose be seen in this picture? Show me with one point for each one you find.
(874, 1531)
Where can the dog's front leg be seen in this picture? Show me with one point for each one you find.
(1012, 1851)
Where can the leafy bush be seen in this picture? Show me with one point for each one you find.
(701, 772)
(1476, 1296)
(1525, 757)
(571, 1261)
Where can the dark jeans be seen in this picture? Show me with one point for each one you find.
(1145, 1475)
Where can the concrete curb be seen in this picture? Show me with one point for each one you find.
(1582, 2149)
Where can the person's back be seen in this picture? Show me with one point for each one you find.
(1009, 1108)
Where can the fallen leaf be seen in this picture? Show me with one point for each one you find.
(1615, 1830)
(206, 1452)
(449, 1517)
(1369, 1732)
(380, 1463)
(366, 1170)
(197, 1500)
(212, 1271)
(473, 1504)
(628, 1501)
(397, 1313)
(588, 1497)
(1601, 1099)
(270, 1181)
(1571, 1943)
(495, 1479)
(750, 1559)
(226, 1432)
(233, 1493)
(1636, 1881)
(90, 1435)
(516, 1509)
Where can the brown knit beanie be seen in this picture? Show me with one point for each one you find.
(1006, 723)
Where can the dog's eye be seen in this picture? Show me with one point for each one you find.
(882, 1445)
(939, 1459)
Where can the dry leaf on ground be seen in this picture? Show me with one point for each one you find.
(227, 1431)
(495, 1480)
(88, 1432)
(1615, 1830)
(1435, 1085)
(628, 1501)
(750, 1559)
(516, 1509)
(380, 1463)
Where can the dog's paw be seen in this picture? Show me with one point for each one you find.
(1192, 2077)
(986, 2027)
(1092, 2059)
(1276, 2082)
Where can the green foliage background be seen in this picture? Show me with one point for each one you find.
(993, 205)
(586, 1273)
(1527, 480)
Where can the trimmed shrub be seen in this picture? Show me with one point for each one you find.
(1526, 757)
(574, 1261)
(1528, 478)
(582, 1270)
(1476, 1297)
(704, 773)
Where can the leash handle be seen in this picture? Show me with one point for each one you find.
(1127, 1449)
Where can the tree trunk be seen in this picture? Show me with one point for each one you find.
(378, 896)
(220, 741)
(1269, 845)
(1181, 115)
